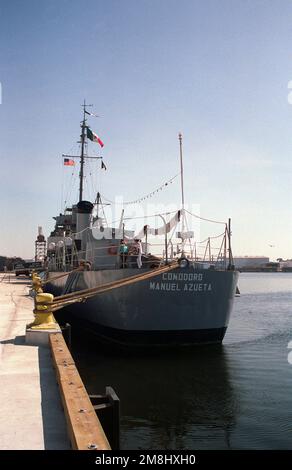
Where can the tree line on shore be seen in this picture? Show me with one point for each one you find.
(10, 262)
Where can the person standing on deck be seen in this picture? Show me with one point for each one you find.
(123, 250)
(139, 252)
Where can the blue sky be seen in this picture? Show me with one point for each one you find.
(216, 71)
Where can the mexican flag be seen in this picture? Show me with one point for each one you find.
(94, 137)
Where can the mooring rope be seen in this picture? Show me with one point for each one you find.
(54, 278)
(82, 295)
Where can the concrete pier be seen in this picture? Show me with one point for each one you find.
(31, 414)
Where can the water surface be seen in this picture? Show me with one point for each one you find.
(234, 396)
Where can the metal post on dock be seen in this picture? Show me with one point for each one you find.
(83, 425)
(66, 332)
(107, 408)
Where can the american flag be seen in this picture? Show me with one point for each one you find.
(68, 162)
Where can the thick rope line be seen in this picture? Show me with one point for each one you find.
(84, 294)
(62, 275)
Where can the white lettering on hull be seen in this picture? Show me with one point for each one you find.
(166, 286)
(172, 286)
(182, 277)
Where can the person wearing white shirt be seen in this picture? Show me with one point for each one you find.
(138, 247)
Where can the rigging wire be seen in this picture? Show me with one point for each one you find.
(146, 196)
(211, 238)
(62, 201)
(70, 188)
(91, 174)
(71, 182)
(147, 216)
(206, 220)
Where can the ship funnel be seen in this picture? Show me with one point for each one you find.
(84, 210)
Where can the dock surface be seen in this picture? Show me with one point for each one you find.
(31, 414)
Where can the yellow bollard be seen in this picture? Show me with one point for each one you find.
(44, 318)
(37, 283)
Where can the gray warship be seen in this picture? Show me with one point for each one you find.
(188, 305)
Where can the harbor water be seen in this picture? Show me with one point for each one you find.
(234, 396)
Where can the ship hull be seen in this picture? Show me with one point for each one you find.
(56, 282)
(182, 307)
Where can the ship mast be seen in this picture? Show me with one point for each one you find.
(81, 173)
(82, 156)
(181, 172)
(182, 191)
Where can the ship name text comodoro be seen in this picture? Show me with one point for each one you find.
(191, 282)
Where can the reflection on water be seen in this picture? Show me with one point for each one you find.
(174, 400)
(235, 396)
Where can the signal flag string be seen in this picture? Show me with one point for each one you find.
(147, 196)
